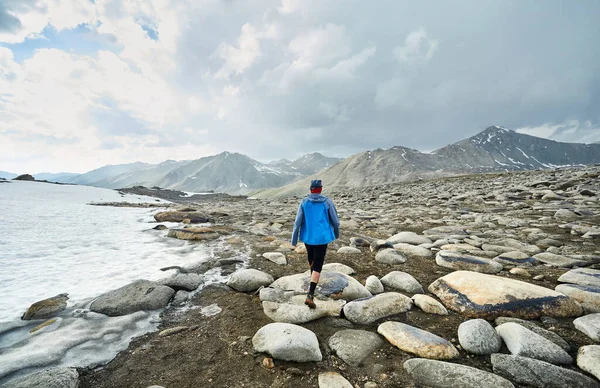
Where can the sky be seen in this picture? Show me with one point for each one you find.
(86, 83)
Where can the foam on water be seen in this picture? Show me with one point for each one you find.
(52, 242)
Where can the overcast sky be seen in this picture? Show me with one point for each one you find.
(89, 83)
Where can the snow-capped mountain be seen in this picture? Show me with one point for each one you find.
(494, 149)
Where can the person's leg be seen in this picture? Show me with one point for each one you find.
(310, 251)
(317, 267)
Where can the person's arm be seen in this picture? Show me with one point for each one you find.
(297, 224)
(333, 219)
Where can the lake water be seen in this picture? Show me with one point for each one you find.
(53, 242)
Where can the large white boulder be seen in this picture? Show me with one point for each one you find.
(365, 311)
(416, 341)
(285, 341)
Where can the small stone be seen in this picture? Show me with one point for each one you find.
(520, 272)
(349, 250)
(173, 330)
(539, 277)
(268, 363)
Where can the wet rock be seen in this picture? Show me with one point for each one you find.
(409, 238)
(333, 380)
(582, 276)
(412, 251)
(524, 342)
(477, 336)
(459, 261)
(539, 374)
(194, 217)
(180, 298)
(275, 257)
(195, 234)
(589, 325)
(402, 281)
(429, 305)
(515, 258)
(588, 359)
(46, 308)
(416, 341)
(479, 295)
(587, 296)
(547, 334)
(50, 378)
(440, 374)
(183, 281)
(369, 310)
(160, 227)
(137, 296)
(285, 341)
(333, 284)
(354, 346)
(389, 256)
(349, 250)
(374, 285)
(247, 280)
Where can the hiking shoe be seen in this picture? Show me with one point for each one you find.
(310, 302)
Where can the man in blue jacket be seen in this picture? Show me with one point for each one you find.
(317, 225)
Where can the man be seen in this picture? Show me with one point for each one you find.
(317, 225)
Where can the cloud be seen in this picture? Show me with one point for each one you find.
(416, 46)
(237, 59)
(571, 131)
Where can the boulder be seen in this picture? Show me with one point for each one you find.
(194, 217)
(275, 257)
(478, 295)
(369, 310)
(349, 250)
(535, 373)
(409, 238)
(429, 305)
(587, 296)
(380, 244)
(582, 276)
(139, 295)
(588, 359)
(359, 242)
(459, 261)
(515, 258)
(389, 256)
(521, 341)
(374, 285)
(195, 234)
(333, 284)
(547, 334)
(589, 325)
(49, 378)
(440, 374)
(402, 281)
(416, 341)
(288, 342)
(247, 280)
(333, 380)
(413, 252)
(183, 281)
(477, 336)
(354, 346)
(295, 311)
(555, 260)
(24, 177)
(566, 215)
(46, 308)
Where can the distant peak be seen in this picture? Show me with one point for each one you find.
(497, 128)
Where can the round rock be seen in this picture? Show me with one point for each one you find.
(477, 336)
(402, 281)
(389, 256)
(374, 285)
(354, 346)
(137, 296)
(247, 280)
(416, 341)
(429, 305)
(285, 341)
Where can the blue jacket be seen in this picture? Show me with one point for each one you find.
(317, 221)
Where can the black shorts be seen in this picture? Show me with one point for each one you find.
(316, 256)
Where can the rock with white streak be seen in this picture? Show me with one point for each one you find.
(366, 311)
(587, 296)
(588, 359)
(521, 341)
(515, 258)
(285, 341)
(460, 261)
(402, 281)
(539, 374)
(477, 336)
(441, 374)
(429, 305)
(416, 341)
(582, 276)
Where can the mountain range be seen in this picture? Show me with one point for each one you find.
(494, 149)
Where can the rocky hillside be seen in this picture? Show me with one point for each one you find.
(494, 149)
